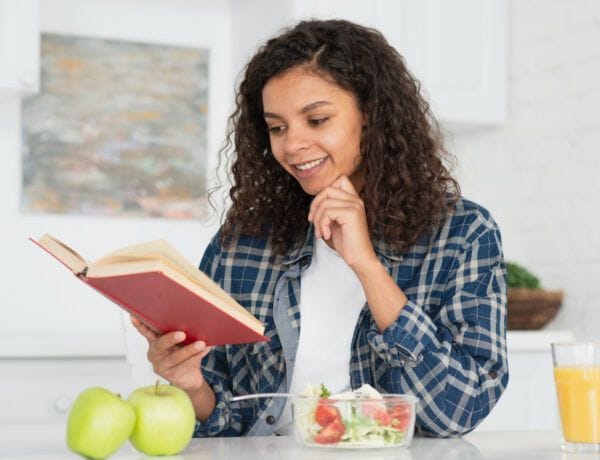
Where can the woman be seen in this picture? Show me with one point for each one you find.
(347, 237)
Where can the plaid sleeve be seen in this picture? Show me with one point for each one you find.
(455, 360)
(223, 421)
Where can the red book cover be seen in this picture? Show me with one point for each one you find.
(167, 303)
(165, 306)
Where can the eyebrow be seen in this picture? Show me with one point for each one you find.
(306, 108)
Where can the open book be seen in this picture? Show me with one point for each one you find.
(164, 290)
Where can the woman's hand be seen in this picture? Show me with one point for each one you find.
(339, 216)
(180, 365)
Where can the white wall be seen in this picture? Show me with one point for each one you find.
(43, 311)
(539, 174)
(536, 174)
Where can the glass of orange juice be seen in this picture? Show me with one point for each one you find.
(577, 378)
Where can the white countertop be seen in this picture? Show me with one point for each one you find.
(536, 341)
(50, 346)
(29, 443)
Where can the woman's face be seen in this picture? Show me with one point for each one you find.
(314, 128)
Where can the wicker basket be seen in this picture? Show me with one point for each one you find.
(532, 308)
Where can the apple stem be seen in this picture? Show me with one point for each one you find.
(156, 387)
(119, 396)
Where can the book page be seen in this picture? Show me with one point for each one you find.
(163, 251)
(63, 253)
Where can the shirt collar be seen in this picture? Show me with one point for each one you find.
(303, 251)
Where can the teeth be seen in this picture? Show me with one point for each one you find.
(309, 165)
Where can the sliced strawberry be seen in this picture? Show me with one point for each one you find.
(400, 416)
(331, 433)
(326, 413)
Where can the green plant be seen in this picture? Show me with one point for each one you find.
(520, 277)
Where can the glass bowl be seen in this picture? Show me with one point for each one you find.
(354, 423)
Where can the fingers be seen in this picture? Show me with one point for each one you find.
(334, 191)
(180, 365)
(166, 342)
(162, 344)
(337, 203)
(187, 374)
(178, 356)
(327, 217)
(329, 211)
(345, 184)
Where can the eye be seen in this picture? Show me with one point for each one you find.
(317, 121)
(276, 129)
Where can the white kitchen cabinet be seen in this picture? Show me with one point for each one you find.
(529, 402)
(40, 390)
(456, 49)
(39, 385)
(19, 47)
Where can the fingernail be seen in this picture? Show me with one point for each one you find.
(199, 345)
(179, 336)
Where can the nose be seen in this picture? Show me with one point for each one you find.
(296, 139)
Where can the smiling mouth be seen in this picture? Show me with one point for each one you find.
(309, 164)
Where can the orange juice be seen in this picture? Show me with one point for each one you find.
(578, 390)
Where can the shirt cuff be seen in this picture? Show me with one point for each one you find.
(217, 421)
(405, 341)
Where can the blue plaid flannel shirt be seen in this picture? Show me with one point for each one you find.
(447, 347)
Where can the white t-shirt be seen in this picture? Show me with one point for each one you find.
(331, 298)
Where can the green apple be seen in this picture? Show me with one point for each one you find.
(99, 423)
(165, 419)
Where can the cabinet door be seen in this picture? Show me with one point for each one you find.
(19, 46)
(41, 391)
(529, 402)
(457, 49)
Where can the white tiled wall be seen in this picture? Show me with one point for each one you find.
(540, 173)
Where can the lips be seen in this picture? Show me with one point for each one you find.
(309, 164)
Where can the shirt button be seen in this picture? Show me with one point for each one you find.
(270, 419)
(493, 374)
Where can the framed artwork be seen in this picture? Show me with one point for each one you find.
(118, 129)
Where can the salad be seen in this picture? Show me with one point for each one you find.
(359, 418)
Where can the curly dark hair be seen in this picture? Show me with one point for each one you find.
(407, 186)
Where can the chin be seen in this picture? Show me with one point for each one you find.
(311, 189)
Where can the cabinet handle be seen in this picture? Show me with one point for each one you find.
(62, 404)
